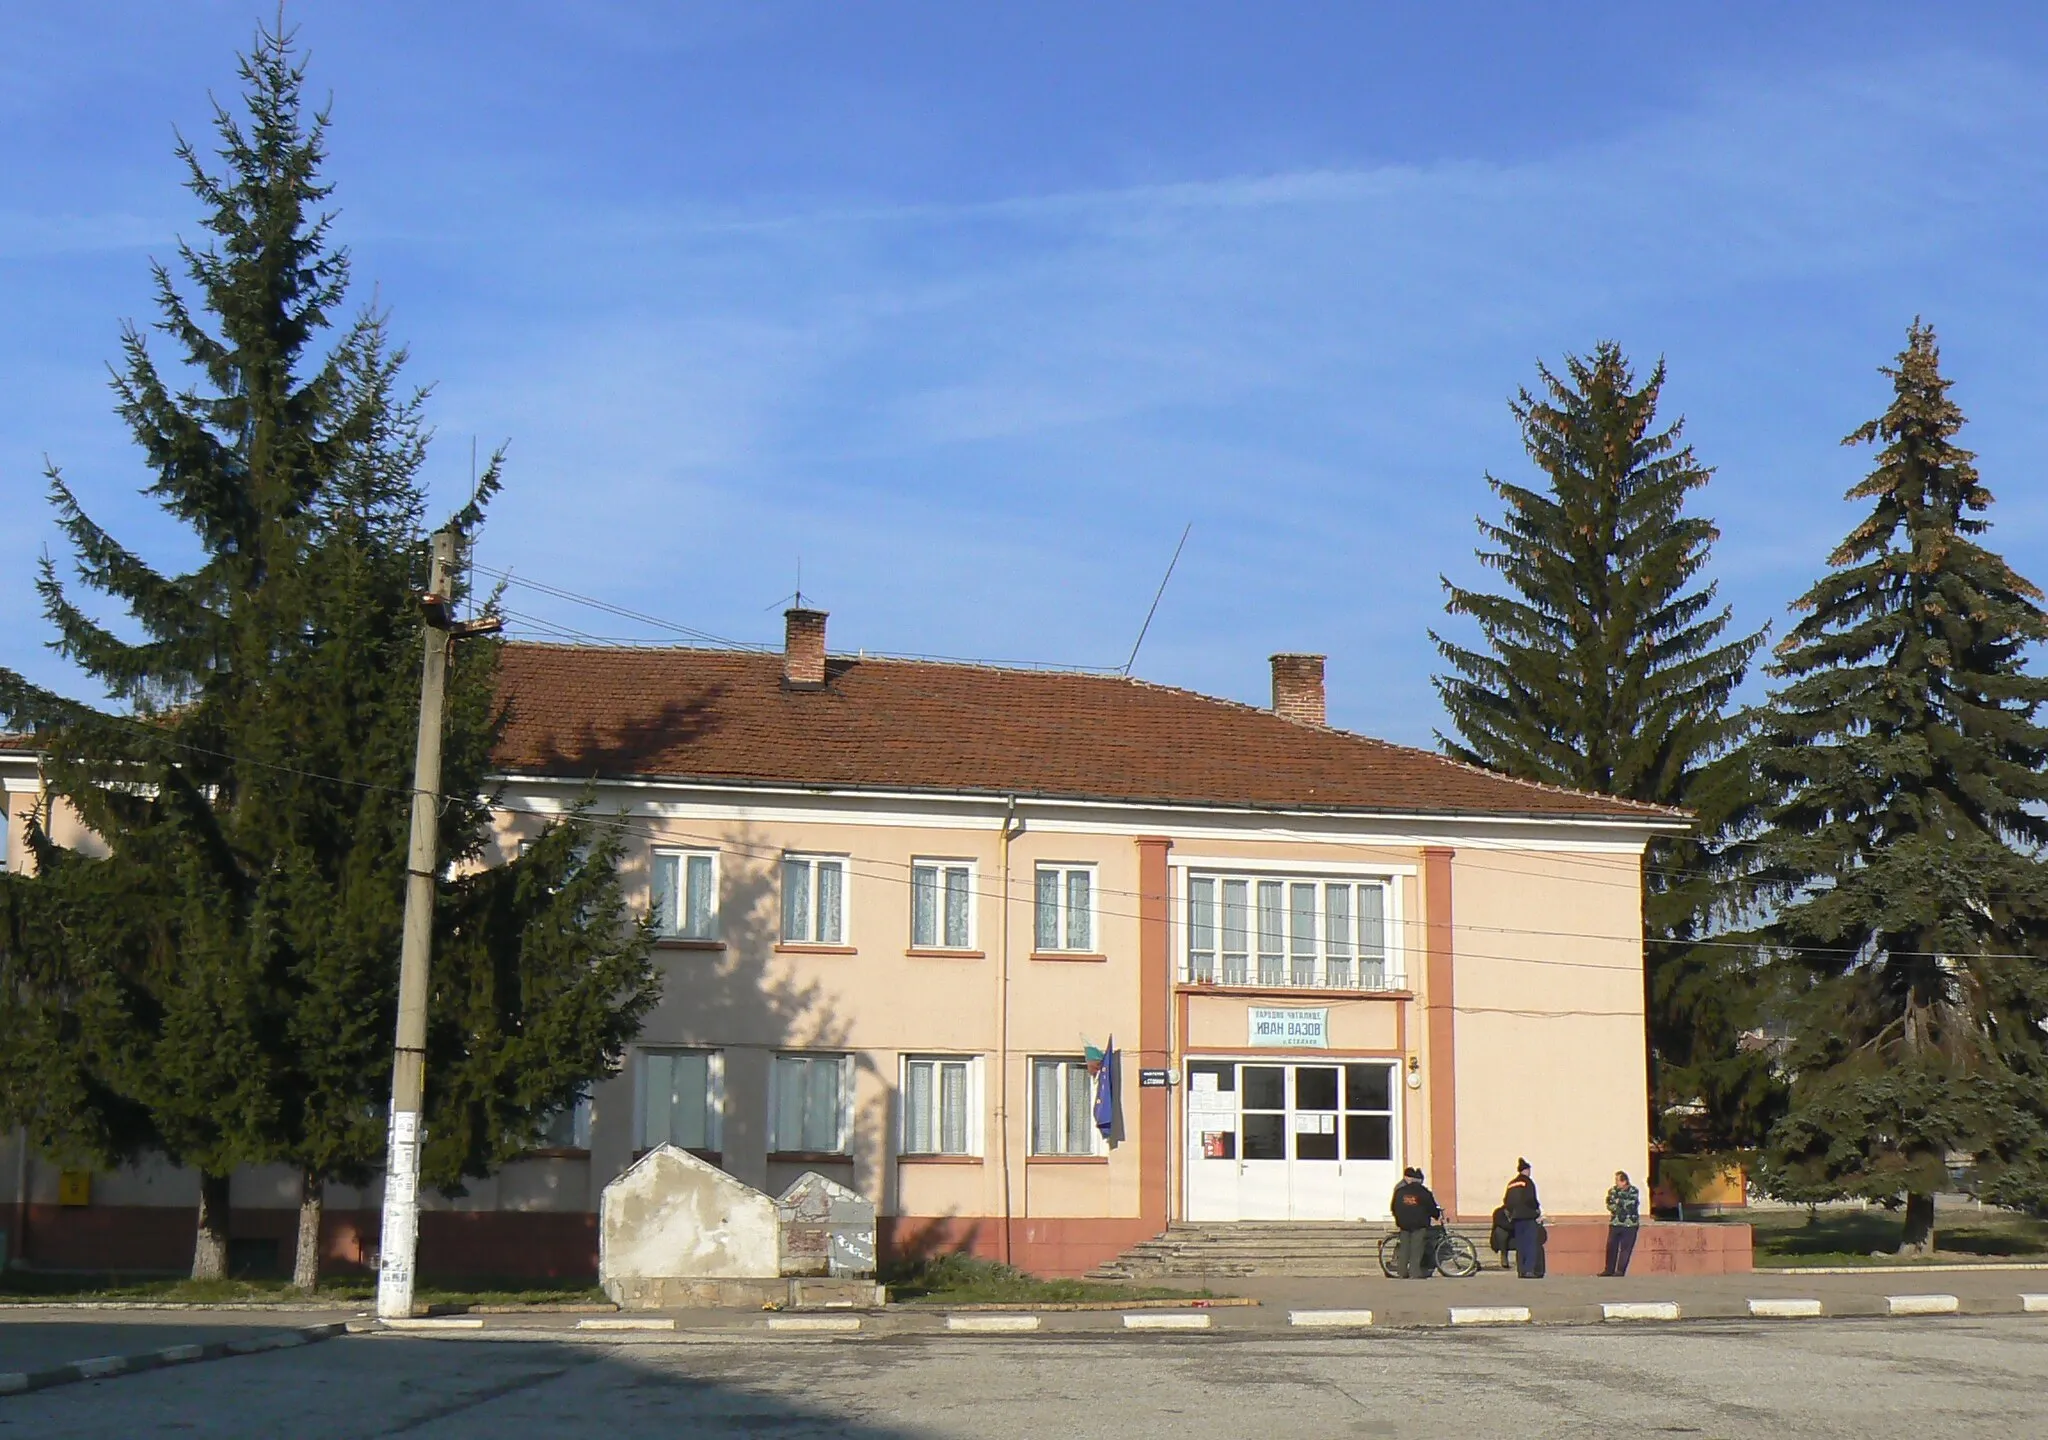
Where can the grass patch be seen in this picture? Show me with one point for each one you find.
(1870, 1237)
(965, 1280)
(92, 1288)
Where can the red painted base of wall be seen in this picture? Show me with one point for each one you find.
(1053, 1248)
(1579, 1247)
(514, 1245)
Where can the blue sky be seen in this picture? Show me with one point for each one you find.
(972, 308)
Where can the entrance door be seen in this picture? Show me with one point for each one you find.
(1263, 1178)
(1290, 1141)
(1316, 1180)
(1372, 1141)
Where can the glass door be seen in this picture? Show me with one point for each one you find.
(1316, 1185)
(1263, 1175)
(1372, 1140)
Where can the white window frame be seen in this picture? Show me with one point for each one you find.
(843, 1140)
(1316, 951)
(1067, 1065)
(941, 866)
(714, 1097)
(682, 855)
(813, 860)
(915, 1147)
(1063, 923)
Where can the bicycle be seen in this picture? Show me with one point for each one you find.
(1449, 1253)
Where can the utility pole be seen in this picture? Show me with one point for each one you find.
(399, 1242)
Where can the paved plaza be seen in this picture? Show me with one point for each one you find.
(1862, 1379)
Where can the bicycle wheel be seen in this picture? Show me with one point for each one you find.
(1389, 1265)
(1457, 1257)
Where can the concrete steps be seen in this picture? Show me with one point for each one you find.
(1334, 1248)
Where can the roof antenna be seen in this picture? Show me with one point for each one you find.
(799, 582)
(1143, 629)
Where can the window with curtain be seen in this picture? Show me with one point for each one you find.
(941, 905)
(680, 1095)
(938, 1106)
(1288, 933)
(814, 899)
(1063, 1108)
(811, 1104)
(569, 1127)
(1065, 910)
(686, 894)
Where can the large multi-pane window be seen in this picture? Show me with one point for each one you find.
(810, 1104)
(681, 1094)
(686, 894)
(1063, 1108)
(814, 899)
(1065, 910)
(1286, 932)
(939, 1106)
(941, 905)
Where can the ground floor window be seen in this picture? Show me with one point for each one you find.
(939, 1105)
(1063, 1108)
(681, 1096)
(810, 1104)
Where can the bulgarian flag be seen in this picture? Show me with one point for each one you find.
(1103, 1065)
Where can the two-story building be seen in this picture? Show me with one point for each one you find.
(899, 901)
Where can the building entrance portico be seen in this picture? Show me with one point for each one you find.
(1287, 1139)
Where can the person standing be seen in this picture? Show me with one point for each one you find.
(1525, 1214)
(1624, 1221)
(1415, 1211)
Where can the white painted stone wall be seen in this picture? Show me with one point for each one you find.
(672, 1215)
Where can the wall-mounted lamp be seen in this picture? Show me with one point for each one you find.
(1414, 1072)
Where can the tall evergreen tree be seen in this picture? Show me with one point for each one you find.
(1907, 775)
(213, 976)
(1607, 667)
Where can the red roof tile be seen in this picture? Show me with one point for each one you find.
(725, 715)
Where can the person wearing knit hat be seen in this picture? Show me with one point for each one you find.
(1415, 1211)
(1525, 1214)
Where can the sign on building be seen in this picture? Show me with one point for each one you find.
(1300, 1029)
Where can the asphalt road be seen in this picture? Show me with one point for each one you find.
(1863, 1380)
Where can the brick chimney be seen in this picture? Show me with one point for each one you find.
(1298, 688)
(803, 649)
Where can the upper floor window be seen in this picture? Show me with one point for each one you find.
(941, 905)
(814, 899)
(681, 1098)
(686, 894)
(940, 1105)
(810, 1104)
(1065, 912)
(1252, 930)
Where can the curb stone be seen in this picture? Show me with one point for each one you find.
(100, 1367)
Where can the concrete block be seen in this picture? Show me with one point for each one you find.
(1489, 1314)
(1168, 1320)
(2034, 1304)
(1329, 1319)
(435, 1322)
(991, 1324)
(1640, 1310)
(813, 1324)
(673, 1216)
(613, 1322)
(1785, 1309)
(1922, 1304)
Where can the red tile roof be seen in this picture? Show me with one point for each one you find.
(725, 715)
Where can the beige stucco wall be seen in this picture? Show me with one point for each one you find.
(1551, 1057)
(753, 997)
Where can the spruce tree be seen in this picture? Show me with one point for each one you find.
(1607, 667)
(1906, 776)
(213, 977)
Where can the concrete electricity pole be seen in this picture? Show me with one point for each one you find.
(399, 1243)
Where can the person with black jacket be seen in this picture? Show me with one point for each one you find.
(1525, 1214)
(1415, 1210)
